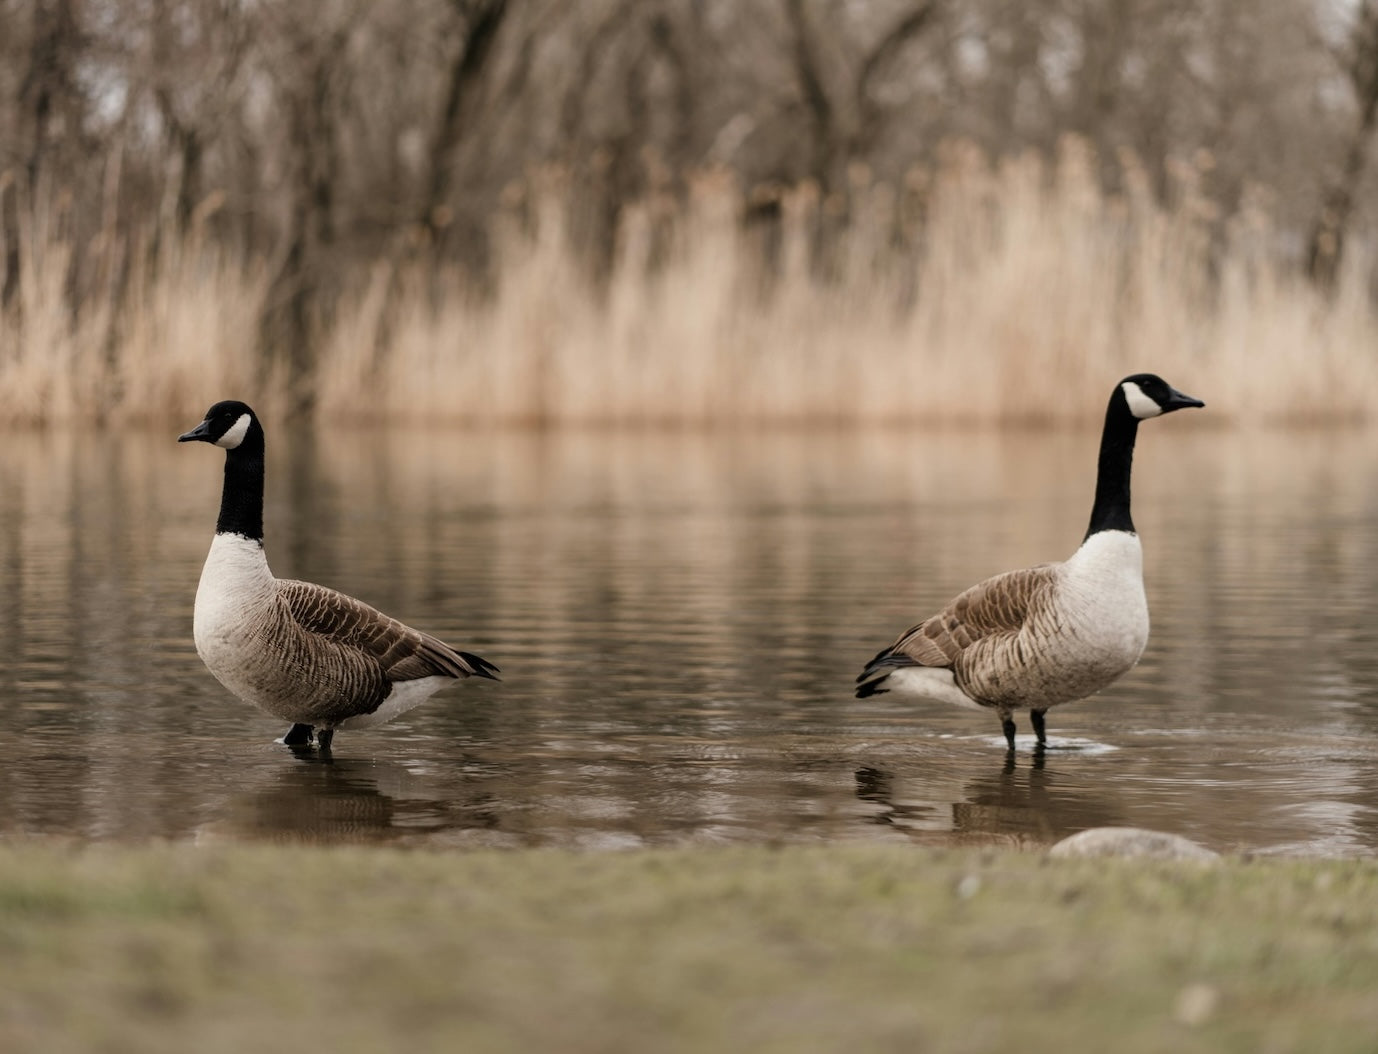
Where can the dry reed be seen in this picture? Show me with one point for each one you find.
(168, 326)
(1030, 288)
(976, 294)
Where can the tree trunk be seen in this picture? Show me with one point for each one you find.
(1326, 249)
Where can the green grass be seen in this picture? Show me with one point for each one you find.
(800, 949)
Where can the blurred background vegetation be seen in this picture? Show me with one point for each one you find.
(683, 210)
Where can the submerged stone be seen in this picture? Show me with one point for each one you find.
(1131, 841)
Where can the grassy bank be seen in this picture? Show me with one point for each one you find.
(856, 948)
(974, 294)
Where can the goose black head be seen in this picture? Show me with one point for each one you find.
(1148, 395)
(226, 425)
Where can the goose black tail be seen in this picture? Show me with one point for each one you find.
(869, 681)
(482, 667)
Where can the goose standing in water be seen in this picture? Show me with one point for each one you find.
(299, 651)
(1049, 634)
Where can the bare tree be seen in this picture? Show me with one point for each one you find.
(334, 135)
(845, 117)
(47, 116)
(482, 21)
(309, 84)
(1328, 234)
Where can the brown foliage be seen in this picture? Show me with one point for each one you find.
(346, 157)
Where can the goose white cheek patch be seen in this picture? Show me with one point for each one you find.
(1140, 405)
(236, 433)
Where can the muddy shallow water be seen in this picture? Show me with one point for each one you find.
(678, 620)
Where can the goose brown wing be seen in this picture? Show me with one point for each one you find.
(998, 605)
(398, 652)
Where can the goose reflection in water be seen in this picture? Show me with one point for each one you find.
(321, 800)
(1014, 805)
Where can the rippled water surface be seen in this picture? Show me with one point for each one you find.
(678, 620)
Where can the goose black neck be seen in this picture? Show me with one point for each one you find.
(1110, 511)
(241, 502)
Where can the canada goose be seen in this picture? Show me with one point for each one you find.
(1048, 634)
(296, 650)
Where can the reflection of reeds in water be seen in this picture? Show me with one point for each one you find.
(974, 293)
(708, 523)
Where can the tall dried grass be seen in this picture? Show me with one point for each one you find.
(165, 327)
(1029, 291)
(976, 294)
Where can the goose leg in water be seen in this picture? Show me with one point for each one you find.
(1036, 716)
(298, 736)
(323, 738)
(1007, 723)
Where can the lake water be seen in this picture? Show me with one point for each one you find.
(679, 619)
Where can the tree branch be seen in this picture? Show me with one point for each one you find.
(887, 49)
